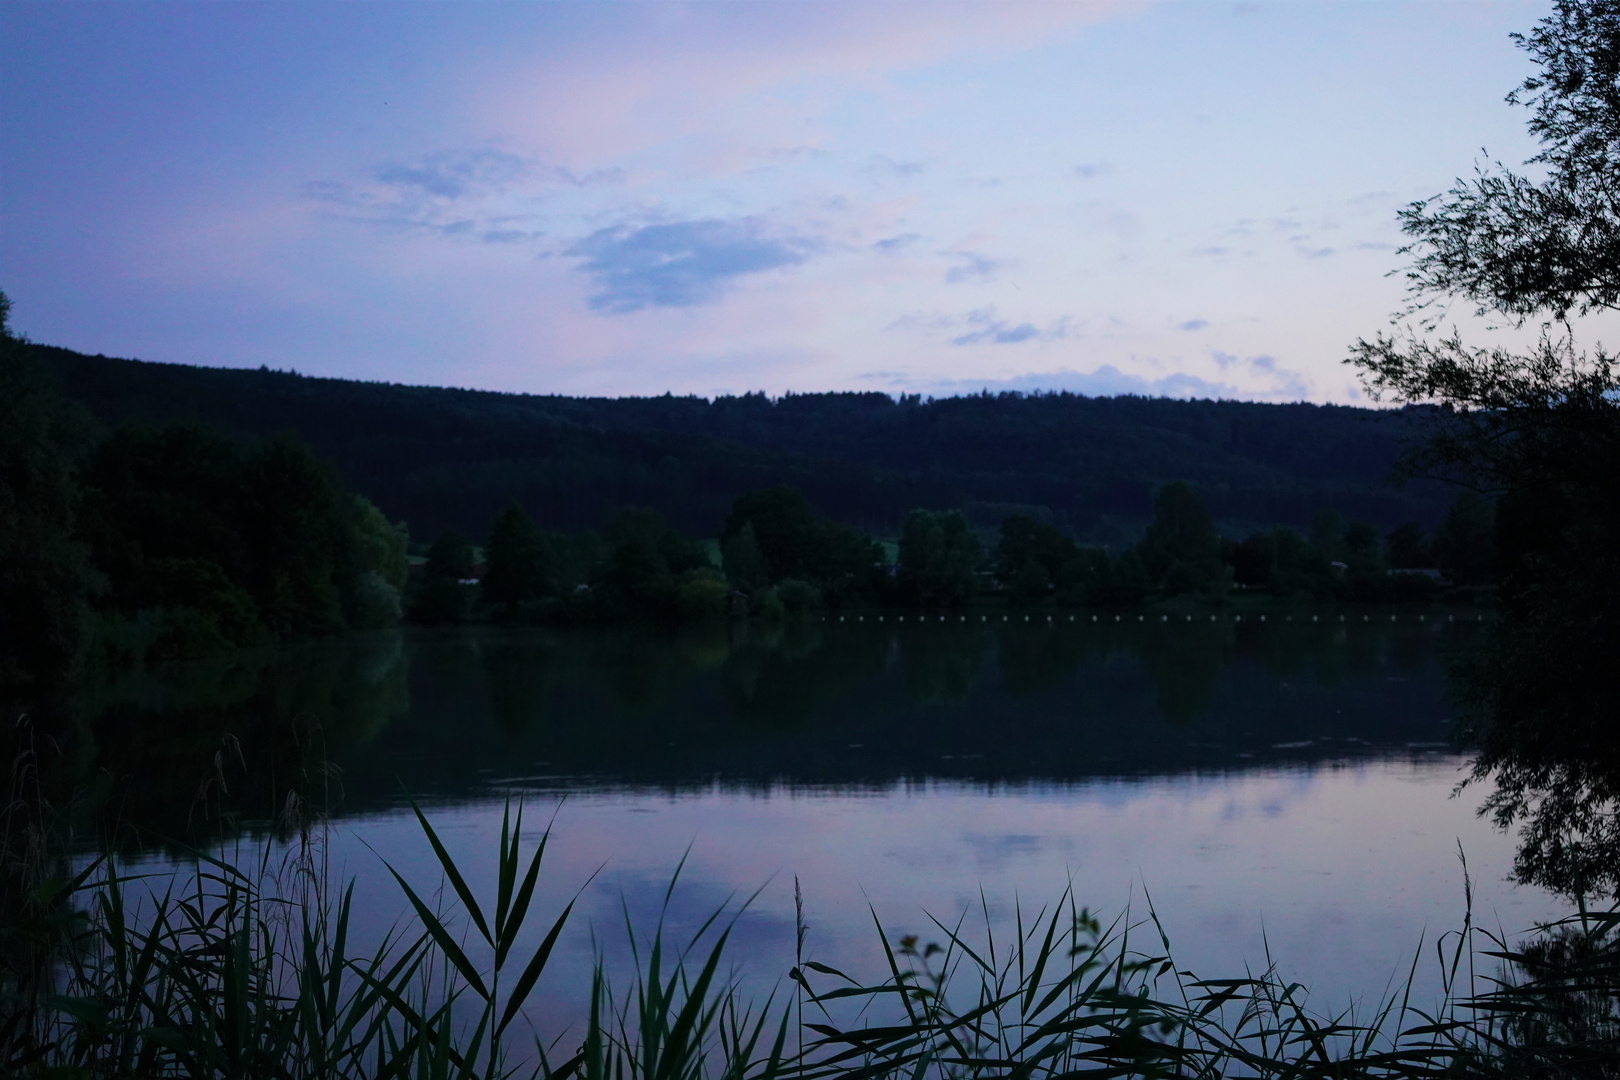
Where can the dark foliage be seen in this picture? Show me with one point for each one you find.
(157, 542)
(939, 556)
(443, 595)
(647, 571)
(772, 536)
(442, 458)
(46, 577)
(209, 544)
(519, 565)
(1181, 550)
(1540, 431)
(1030, 557)
(1523, 246)
(784, 530)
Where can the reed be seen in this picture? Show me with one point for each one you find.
(249, 971)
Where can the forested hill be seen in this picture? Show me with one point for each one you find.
(444, 458)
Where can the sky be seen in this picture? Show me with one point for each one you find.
(1185, 199)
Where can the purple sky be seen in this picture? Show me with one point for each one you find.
(618, 198)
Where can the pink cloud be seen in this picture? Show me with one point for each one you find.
(767, 67)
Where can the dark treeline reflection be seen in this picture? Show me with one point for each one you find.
(189, 750)
(452, 713)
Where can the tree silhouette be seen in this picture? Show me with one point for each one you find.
(1181, 550)
(1540, 430)
(518, 562)
(45, 572)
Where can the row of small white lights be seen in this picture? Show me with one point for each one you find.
(1143, 618)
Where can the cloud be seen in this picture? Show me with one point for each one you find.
(1285, 383)
(891, 244)
(975, 267)
(509, 236)
(472, 174)
(1280, 383)
(885, 163)
(1106, 380)
(1091, 170)
(681, 263)
(794, 153)
(457, 175)
(989, 330)
(614, 175)
(1192, 324)
(1372, 198)
(454, 193)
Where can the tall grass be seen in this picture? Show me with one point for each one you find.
(249, 971)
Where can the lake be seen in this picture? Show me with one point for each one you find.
(1278, 787)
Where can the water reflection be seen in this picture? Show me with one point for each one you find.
(1268, 781)
(446, 713)
(191, 748)
(1539, 706)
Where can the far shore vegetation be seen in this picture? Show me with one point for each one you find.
(147, 543)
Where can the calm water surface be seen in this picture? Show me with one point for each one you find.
(1285, 785)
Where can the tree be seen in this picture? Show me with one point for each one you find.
(1540, 430)
(939, 554)
(449, 559)
(45, 572)
(1181, 550)
(1523, 247)
(1407, 548)
(1462, 544)
(210, 543)
(1082, 579)
(380, 586)
(518, 561)
(771, 535)
(1030, 557)
(441, 597)
(784, 528)
(650, 571)
(745, 564)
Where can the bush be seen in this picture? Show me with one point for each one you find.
(799, 599)
(702, 595)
